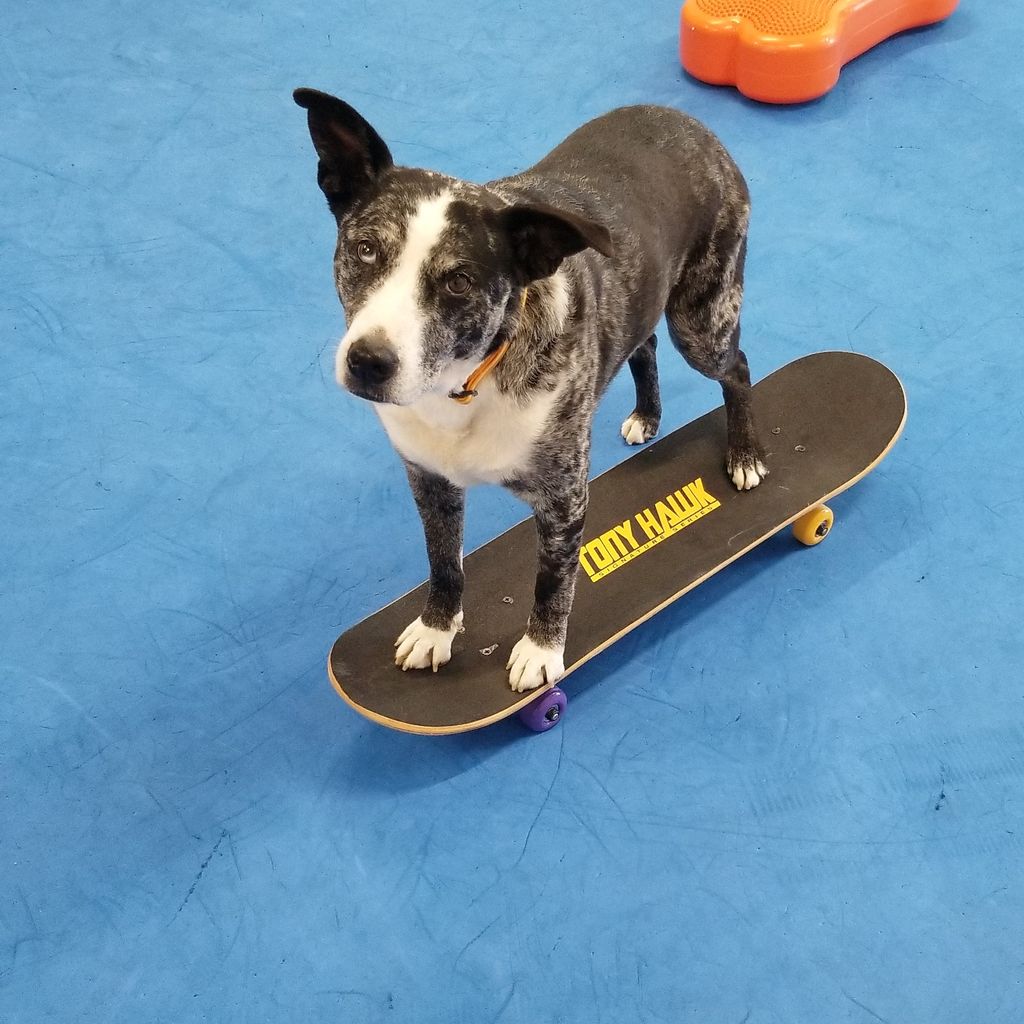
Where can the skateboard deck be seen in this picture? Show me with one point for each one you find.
(658, 524)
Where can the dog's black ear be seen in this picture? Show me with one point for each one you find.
(542, 236)
(352, 155)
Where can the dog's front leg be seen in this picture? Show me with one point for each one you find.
(537, 658)
(427, 642)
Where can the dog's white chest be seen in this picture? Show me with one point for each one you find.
(490, 440)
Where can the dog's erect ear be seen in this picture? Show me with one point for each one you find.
(542, 236)
(352, 155)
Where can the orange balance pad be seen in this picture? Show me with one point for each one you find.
(790, 51)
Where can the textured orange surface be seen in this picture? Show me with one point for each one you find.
(790, 51)
(780, 17)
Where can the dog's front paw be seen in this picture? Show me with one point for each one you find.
(531, 665)
(747, 469)
(422, 646)
(637, 429)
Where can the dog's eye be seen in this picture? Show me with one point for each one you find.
(366, 251)
(458, 283)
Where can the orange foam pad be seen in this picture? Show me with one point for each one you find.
(790, 51)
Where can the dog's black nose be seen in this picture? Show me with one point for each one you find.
(371, 361)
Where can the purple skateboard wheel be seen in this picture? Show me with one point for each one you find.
(545, 712)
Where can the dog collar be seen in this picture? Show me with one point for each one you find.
(469, 389)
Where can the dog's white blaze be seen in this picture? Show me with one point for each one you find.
(393, 307)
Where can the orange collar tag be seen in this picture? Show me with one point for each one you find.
(469, 389)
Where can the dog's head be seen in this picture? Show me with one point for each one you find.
(427, 267)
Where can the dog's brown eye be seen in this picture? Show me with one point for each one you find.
(459, 283)
(367, 251)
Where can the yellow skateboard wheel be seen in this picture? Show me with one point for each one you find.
(813, 527)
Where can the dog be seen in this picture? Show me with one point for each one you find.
(484, 322)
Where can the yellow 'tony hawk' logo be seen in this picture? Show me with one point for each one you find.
(631, 538)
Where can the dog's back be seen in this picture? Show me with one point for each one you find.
(652, 175)
(666, 189)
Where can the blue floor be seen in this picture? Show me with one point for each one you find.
(793, 797)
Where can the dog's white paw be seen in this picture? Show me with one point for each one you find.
(422, 646)
(747, 473)
(638, 429)
(530, 665)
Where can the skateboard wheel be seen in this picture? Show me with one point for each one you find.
(545, 712)
(813, 527)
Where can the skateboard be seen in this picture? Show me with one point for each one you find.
(658, 525)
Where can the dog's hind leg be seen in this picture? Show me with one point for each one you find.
(703, 315)
(643, 422)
